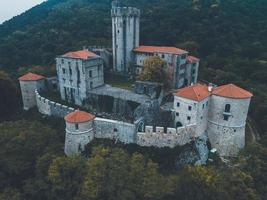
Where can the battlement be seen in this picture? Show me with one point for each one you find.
(97, 47)
(51, 108)
(125, 12)
(171, 138)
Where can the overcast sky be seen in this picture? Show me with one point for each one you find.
(11, 8)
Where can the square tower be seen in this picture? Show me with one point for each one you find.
(125, 37)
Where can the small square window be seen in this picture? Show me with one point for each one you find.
(225, 117)
(177, 114)
(188, 118)
(178, 104)
(189, 107)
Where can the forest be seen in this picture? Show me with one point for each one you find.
(230, 38)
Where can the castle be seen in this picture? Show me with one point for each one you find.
(196, 110)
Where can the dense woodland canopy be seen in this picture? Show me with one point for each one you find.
(230, 37)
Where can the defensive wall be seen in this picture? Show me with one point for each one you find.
(51, 108)
(124, 132)
(173, 137)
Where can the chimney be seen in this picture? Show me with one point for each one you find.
(210, 87)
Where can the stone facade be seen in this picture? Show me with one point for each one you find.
(115, 130)
(180, 72)
(28, 89)
(78, 136)
(226, 129)
(220, 113)
(125, 37)
(152, 89)
(78, 76)
(173, 137)
(188, 112)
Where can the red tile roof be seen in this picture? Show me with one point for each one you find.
(232, 91)
(83, 54)
(158, 49)
(196, 92)
(79, 117)
(192, 59)
(31, 77)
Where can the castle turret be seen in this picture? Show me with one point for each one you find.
(79, 131)
(28, 84)
(125, 36)
(227, 116)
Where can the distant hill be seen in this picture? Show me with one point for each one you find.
(230, 36)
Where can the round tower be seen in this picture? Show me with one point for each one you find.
(79, 131)
(28, 84)
(229, 106)
(125, 36)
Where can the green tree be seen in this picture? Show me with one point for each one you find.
(67, 175)
(9, 101)
(22, 143)
(154, 70)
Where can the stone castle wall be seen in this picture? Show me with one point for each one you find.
(121, 131)
(50, 108)
(115, 130)
(171, 138)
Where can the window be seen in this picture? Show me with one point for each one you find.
(64, 80)
(177, 114)
(194, 64)
(70, 71)
(190, 108)
(203, 106)
(78, 76)
(62, 61)
(63, 70)
(183, 56)
(115, 130)
(193, 71)
(91, 85)
(162, 56)
(225, 117)
(118, 31)
(76, 127)
(178, 104)
(188, 118)
(227, 108)
(90, 74)
(207, 103)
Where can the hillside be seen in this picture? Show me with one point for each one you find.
(230, 37)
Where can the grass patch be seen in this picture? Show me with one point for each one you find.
(119, 81)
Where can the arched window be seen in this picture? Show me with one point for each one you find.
(179, 124)
(227, 108)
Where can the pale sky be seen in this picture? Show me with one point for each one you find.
(11, 8)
